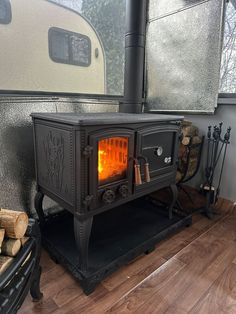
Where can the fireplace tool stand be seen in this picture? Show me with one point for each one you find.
(216, 146)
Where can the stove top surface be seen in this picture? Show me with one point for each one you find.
(105, 118)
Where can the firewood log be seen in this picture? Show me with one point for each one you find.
(24, 240)
(11, 247)
(190, 131)
(2, 233)
(186, 123)
(178, 176)
(14, 222)
(5, 262)
(182, 151)
(195, 140)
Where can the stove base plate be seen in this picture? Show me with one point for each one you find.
(117, 237)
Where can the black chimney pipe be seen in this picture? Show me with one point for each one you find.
(136, 13)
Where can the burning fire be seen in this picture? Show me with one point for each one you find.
(112, 159)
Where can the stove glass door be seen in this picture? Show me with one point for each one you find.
(112, 159)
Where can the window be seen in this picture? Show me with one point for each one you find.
(228, 63)
(5, 12)
(183, 59)
(73, 47)
(107, 17)
(68, 47)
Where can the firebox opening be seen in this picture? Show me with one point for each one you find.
(112, 159)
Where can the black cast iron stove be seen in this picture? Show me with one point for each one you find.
(95, 166)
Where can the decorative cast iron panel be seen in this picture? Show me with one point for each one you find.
(54, 156)
(54, 167)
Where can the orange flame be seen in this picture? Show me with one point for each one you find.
(112, 159)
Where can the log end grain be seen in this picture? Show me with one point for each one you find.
(2, 234)
(14, 222)
(11, 247)
(5, 262)
(24, 240)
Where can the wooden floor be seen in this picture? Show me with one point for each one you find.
(194, 271)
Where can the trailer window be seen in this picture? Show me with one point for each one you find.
(107, 19)
(69, 47)
(5, 12)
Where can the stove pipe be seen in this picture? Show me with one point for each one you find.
(136, 12)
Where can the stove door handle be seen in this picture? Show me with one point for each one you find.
(147, 172)
(137, 174)
(146, 168)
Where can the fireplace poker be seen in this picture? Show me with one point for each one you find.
(226, 143)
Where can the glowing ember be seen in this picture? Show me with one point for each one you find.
(112, 159)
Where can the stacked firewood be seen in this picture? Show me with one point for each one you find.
(13, 225)
(190, 134)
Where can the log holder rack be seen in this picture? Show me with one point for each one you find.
(185, 176)
(23, 274)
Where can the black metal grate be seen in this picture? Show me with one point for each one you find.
(23, 274)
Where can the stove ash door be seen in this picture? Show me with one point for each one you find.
(110, 169)
(157, 146)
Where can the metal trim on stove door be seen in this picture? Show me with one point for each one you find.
(94, 189)
(159, 174)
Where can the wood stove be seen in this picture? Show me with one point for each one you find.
(91, 163)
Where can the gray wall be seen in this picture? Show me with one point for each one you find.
(17, 175)
(226, 114)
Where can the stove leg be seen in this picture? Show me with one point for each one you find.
(174, 192)
(82, 230)
(38, 204)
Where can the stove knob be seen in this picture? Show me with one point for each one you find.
(123, 190)
(108, 197)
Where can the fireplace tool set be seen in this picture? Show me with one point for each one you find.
(217, 145)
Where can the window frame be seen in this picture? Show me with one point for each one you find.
(227, 99)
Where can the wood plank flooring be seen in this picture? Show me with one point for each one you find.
(193, 271)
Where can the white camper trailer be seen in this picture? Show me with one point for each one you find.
(47, 47)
